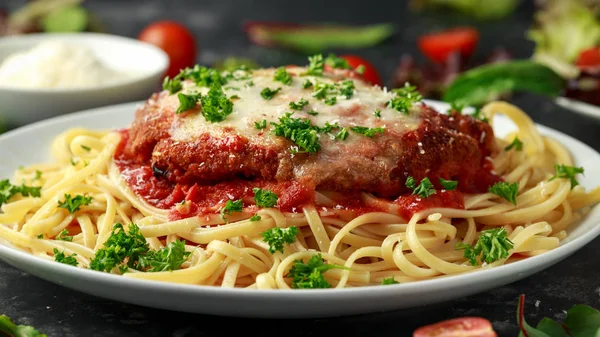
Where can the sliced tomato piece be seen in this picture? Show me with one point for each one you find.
(458, 327)
(439, 45)
(370, 73)
(589, 58)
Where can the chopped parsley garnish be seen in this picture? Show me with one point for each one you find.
(234, 97)
(506, 190)
(456, 109)
(232, 88)
(8, 190)
(260, 124)
(299, 104)
(130, 250)
(87, 148)
(307, 84)
(309, 275)
(328, 127)
(347, 89)
(264, 198)
(74, 204)
(478, 114)
(255, 217)
(202, 76)
(283, 76)
(405, 98)
(491, 246)
(215, 105)
(62, 258)
(423, 190)
(41, 236)
(377, 113)
(368, 132)
(321, 90)
(315, 65)
(448, 185)
(276, 237)
(337, 62)
(187, 102)
(268, 93)
(64, 236)
(517, 144)
(360, 69)
(312, 112)
(568, 172)
(38, 175)
(299, 131)
(331, 100)
(389, 280)
(250, 83)
(231, 207)
(172, 85)
(342, 135)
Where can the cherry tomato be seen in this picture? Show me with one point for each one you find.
(458, 327)
(176, 40)
(370, 74)
(589, 58)
(438, 46)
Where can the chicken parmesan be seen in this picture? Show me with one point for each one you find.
(295, 177)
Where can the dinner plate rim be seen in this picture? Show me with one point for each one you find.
(8, 254)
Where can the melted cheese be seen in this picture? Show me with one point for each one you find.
(250, 107)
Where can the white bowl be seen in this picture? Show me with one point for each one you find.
(146, 63)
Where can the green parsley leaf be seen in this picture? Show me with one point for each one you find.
(250, 83)
(10, 329)
(41, 236)
(187, 102)
(505, 190)
(448, 185)
(172, 85)
(64, 236)
(456, 109)
(60, 257)
(8, 190)
(377, 113)
(276, 237)
(328, 127)
(202, 76)
(260, 124)
(215, 105)
(299, 131)
(234, 97)
(73, 204)
(347, 89)
(283, 76)
(405, 98)
(342, 135)
(568, 172)
(331, 100)
(307, 84)
(411, 183)
(322, 89)
(478, 114)
(121, 247)
(389, 280)
(315, 66)
(167, 258)
(267, 93)
(299, 104)
(337, 62)
(87, 148)
(365, 131)
(309, 275)
(516, 143)
(360, 69)
(231, 207)
(38, 175)
(312, 113)
(424, 189)
(264, 198)
(492, 245)
(255, 217)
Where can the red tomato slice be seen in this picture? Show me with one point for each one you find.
(589, 58)
(370, 74)
(176, 40)
(458, 327)
(438, 46)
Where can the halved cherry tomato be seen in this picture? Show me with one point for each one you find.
(176, 40)
(438, 46)
(458, 327)
(370, 74)
(589, 58)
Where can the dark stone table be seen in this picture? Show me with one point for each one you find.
(63, 312)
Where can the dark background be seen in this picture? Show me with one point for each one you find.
(217, 27)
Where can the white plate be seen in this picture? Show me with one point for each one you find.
(276, 303)
(579, 107)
